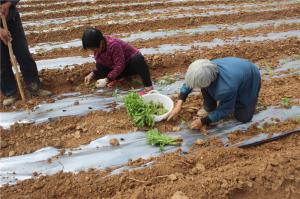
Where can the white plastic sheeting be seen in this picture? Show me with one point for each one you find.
(100, 155)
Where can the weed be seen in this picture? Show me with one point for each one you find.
(285, 101)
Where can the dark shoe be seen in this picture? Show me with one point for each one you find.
(10, 100)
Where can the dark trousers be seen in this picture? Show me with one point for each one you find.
(135, 66)
(241, 113)
(27, 64)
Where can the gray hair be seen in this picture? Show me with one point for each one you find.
(201, 73)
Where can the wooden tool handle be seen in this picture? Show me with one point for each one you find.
(13, 60)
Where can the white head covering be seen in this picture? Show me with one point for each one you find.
(201, 73)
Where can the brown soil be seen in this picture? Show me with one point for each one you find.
(263, 52)
(71, 79)
(69, 4)
(186, 39)
(206, 172)
(269, 128)
(66, 35)
(96, 10)
(273, 91)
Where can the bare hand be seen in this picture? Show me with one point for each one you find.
(88, 78)
(175, 110)
(5, 8)
(5, 36)
(196, 124)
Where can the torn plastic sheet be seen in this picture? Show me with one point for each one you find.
(100, 155)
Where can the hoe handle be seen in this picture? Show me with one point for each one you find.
(13, 60)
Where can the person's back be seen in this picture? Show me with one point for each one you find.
(239, 76)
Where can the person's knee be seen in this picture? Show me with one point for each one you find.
(243, 117)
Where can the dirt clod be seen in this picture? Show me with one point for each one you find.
(77, 134)
(11, 153)
(200, 142)
(179, 195)
(114, 142)
(172, 177)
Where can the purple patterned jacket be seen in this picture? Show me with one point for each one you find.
(115, 56)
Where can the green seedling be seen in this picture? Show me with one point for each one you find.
(154, 137)
(157, 108)
(138, 110)
(166, 80)
(285, 101)
(141, 113)
(182, 121)
(269, 69)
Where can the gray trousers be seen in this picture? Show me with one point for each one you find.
(27, 64)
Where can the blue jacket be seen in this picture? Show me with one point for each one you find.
(237, 85)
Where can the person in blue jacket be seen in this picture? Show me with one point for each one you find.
(228, 85)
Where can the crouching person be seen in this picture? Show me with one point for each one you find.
(115, 60)
(228, 85)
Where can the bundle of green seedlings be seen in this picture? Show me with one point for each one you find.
(141, 113)
(154, 137)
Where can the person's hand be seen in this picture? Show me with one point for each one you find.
(5, 36)
(5, 8)
(88, 78)
(196, 124)
(101, 83)
(175, 110)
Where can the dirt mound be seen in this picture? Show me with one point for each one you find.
(214, 172)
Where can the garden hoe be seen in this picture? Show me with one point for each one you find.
(13, 60)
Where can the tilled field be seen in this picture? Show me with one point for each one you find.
(171, 34)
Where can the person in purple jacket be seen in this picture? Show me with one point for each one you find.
(115, 59)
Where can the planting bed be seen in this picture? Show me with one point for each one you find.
(74, 123)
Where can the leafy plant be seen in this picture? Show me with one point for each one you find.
(166, 80)
(141, 113)
(157, 108)
(154, 137)
(285, 101)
